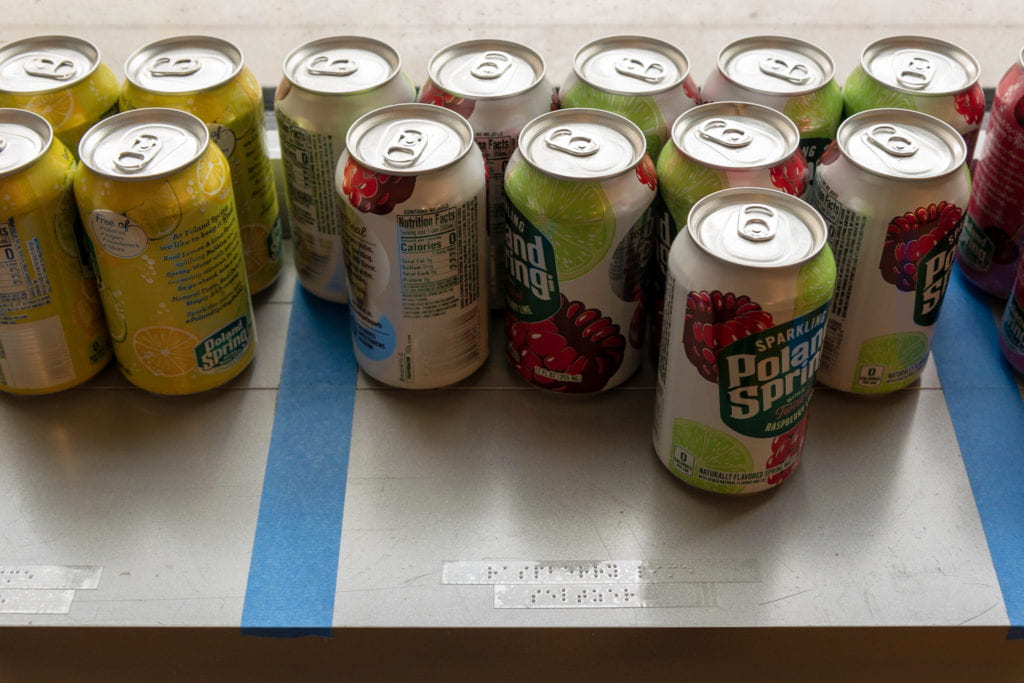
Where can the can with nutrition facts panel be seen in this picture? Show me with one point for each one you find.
(328, 83)
(498, 86)
(52, 335)
(412, 183)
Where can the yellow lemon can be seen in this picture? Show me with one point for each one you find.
(62, 79)
(156, 201)
(52, 335)
(206, 76)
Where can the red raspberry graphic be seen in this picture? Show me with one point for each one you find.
(715, 320)
(1018, 112)
(431, 94)
(910, 236)
(690, 88)
(785, 446)
(372, 192)
(646, 172)
(1006, 249)
(575, 341)
(971, 104)
(830, 154)
(791, 175)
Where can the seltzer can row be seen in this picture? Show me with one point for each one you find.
(749, 284)
(156, 200)
(894, 191)
(498, 86)
(52, 335)
(327, 85)
(206, 77)
(412, 181)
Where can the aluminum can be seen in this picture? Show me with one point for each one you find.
(412, 183)
(498, 86)
(62, 79)
(1011, 328)
(713, 147)
(206, 77)
(52, 335)
(789, 75)
(893, 192)
(328, 84)
(749, 284)
(920, 74)
(155, 197)
(993, 235)
(579, 187)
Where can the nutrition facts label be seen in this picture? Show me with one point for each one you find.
(24, 282)
(845, 235)
(35, 355)
(309, 162)
(439, 266)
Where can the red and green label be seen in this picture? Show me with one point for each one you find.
(765, 380)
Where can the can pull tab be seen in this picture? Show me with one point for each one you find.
(491, 65)
(796, 73)
(726, 133)
(892, 140)
(178, 66)
(646, 70)
(564, 140)
(917, 73)
(52, 67)
(3, 144)
(758, 223)
(141, 150)
(323, 65)
(406, 149)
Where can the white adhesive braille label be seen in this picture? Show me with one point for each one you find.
(605, 595)
(527, 572)
(51, 577)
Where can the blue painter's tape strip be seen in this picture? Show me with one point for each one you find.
(294, 565)
(988, 417)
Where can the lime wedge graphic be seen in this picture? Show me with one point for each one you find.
(814, 282)
(862, 92)
(113, 311)
(576, 217)
(639, 109)
(159, 213)
(683, 182)
(900, 357)
(696, 445)
(817, 114)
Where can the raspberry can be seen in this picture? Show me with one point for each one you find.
(920, 74)
(789, 75)
(155, 197)
(62, 79)
(894, 191)
(412, 182)
(1011, 329)
(578, 187)
(749, 284)
(498, 86)
(206, 77)
(328, 83)
(52, 335)
(713, 147)
(993, 235)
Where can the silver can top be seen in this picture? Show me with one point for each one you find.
(144, 144)
(486, 69)
(920, 66)
(409, 139)
(183, 64)
(776, 65)
(582, 144)
(757, 228)
(902, 144)
(46, 63)
(631, 65)
(24, 138)
(341, 65)
(735, 135)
